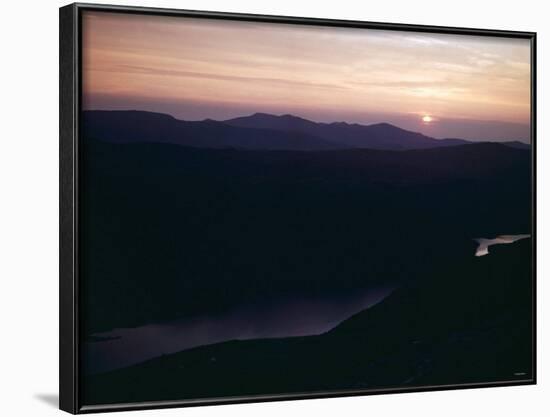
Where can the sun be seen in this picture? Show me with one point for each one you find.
(427, 119)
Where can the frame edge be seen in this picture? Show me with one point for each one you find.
(534, 235)
(315, 21)
(69, 55)
(68, 135)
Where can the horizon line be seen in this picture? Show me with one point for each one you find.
(526, 142)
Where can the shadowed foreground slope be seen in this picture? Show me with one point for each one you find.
(467, 322)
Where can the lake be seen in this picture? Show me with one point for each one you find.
(272, 319)
(484, 244)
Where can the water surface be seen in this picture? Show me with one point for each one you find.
(280, 318)
(484, 244)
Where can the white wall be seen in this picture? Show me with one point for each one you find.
(29, 193)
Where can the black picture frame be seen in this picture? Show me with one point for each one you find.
(70, 193)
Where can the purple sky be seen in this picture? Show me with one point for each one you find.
(475, 88)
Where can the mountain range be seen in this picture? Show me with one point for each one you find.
(259, 131)
(174, 232)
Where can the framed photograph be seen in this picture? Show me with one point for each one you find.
(259, 208)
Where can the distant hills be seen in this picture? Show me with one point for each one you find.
(259, 131)
(377, 136)
(139, 126)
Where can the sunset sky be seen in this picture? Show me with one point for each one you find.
(471, 87)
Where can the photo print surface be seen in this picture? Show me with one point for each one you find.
(275, 208)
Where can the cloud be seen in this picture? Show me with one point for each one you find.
(329, 69)
(222, 77)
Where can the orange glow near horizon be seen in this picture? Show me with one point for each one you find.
(132, 60)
